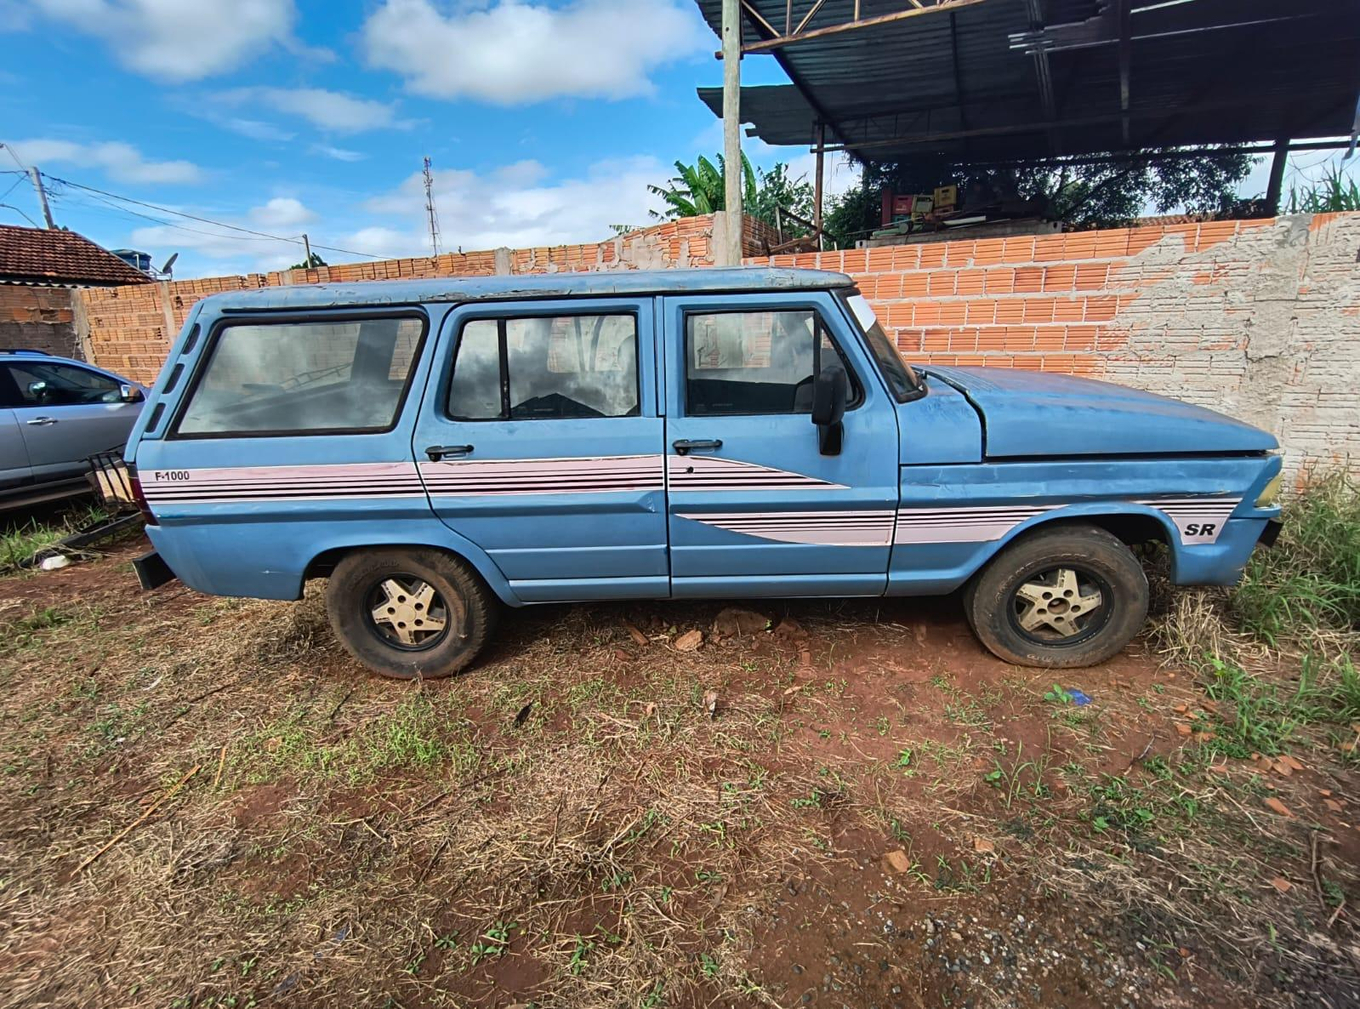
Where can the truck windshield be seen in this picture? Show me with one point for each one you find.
(903, 380)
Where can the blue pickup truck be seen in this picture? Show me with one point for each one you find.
(438, 448)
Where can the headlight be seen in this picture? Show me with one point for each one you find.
(1271, 493)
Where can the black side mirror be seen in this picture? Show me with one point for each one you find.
(830, 390)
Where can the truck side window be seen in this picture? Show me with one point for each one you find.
(546, 368)
(757, 362)
(304, 377)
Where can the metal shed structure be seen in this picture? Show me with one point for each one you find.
(983, 81)
(987, 80)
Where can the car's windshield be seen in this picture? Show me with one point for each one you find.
(903, 381)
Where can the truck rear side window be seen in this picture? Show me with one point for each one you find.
(304, 377)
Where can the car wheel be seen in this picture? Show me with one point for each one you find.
(1072, 596)
(410, 613)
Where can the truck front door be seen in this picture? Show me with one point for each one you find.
(541, 443)
(754, 507)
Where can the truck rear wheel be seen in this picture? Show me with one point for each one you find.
(1071, 596)
(410, 613)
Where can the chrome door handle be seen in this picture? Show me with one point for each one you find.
(687, 445)
(438, 452)
(41, 421)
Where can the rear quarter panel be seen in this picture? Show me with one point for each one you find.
(246, 516)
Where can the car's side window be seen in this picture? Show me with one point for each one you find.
(41, 383)
(306, 377)
(757, 362)
(546, 368)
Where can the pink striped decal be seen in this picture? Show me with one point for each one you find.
(603, 474)
(713, 473)
(832, 529)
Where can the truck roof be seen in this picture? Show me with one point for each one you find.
(516, 286)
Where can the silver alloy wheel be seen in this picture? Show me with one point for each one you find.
(1057, 602)
(408, 612)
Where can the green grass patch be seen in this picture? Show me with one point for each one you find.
(412, 737)
(20, 541)
(1310, 580)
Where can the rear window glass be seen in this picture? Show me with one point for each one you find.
(304, 377)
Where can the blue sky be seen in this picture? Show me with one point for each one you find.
(545, 120)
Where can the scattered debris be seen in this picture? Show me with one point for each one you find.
(690, 641)
(1182, 729)
(523, 715)
(896, 861)
(1282, 884)
(983, 846)
(638, 637)
(1276, 806)
(711, 703)
(141, 819)
(734, 622)
(55, 563)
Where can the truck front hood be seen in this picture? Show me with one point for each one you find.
(1026, 413)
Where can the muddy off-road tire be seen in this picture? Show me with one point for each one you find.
(410, 613)
(1070, 596)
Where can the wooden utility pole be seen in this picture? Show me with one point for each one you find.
(730, 254)
(36, 176)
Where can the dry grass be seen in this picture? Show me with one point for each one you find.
(348, 840)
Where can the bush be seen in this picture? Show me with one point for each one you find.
(1310, 581)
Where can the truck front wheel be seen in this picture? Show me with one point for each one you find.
(1070, 596)
(409, 612)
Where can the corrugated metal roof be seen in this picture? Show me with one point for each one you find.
(952, 82)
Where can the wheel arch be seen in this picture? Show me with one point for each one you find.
(323, 562)
(1133, 525)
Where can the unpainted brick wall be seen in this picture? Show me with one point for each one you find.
(1259, 319)
(38, 318)
(131, 328)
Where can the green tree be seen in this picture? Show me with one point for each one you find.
(311, 263)
(701, 189)
(1082, 196)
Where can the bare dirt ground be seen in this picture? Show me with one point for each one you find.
(823, 805)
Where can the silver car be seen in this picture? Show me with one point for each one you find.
(54, 414)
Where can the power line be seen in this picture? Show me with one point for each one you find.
(204, 220)
(10, 206)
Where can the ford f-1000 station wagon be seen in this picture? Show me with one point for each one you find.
(438, 448)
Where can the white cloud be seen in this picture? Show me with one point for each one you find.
(337, 153)
(327, 110)
(516, 205)
(119, 161)
(180, 40)
(514, 51)
(281, 213)
(209, 251)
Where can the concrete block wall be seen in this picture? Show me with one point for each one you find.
(1259, 319)
(38, 318)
